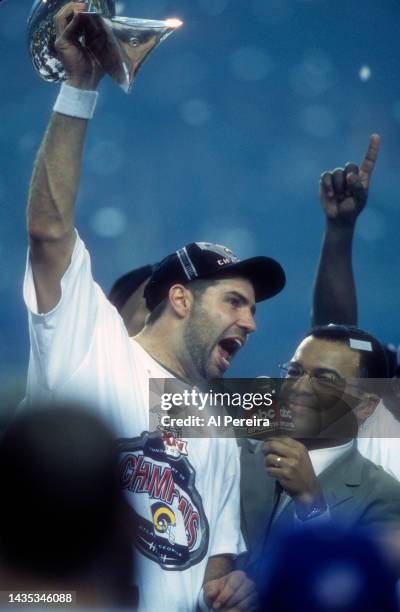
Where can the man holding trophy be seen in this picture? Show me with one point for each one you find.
(188, 533)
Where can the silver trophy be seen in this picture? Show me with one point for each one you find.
(120, 44)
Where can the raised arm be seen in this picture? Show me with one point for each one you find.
(56, 173)
(343, 195)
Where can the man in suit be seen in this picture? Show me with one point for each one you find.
(318, 475)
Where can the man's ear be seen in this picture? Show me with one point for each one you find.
(366, 407)
(180, 300)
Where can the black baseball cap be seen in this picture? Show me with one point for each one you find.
(202, 260)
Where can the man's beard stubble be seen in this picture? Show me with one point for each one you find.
(197, 340)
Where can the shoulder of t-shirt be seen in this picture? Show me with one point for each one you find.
(148, 361)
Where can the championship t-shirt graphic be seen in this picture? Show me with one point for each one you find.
(171, 525)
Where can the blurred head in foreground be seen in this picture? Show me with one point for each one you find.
(62, 516)
(327, 569)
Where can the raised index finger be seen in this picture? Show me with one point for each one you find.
(371, 155)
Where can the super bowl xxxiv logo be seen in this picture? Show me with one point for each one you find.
(172, 528)
(173, 446)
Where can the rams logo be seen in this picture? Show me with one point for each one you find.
(164, 520)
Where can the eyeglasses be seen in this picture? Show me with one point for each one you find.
(318, 378)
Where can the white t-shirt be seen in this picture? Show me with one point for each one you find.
(379, 440)
(186, 502)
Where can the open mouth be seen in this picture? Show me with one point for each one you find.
(227, 348)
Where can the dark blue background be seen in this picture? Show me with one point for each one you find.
(230, 123)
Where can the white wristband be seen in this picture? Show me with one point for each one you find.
(76, 102)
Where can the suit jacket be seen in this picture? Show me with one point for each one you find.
(358, 493)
